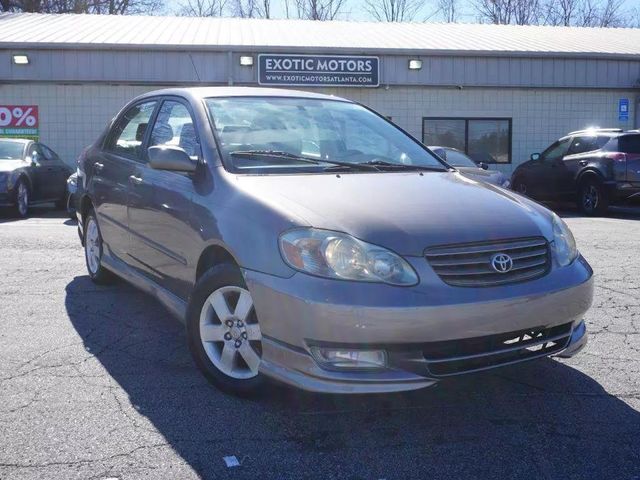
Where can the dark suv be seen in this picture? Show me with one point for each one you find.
(593, 167)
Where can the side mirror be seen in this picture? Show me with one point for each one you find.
(535, 157)
(171, 158)
(483, 166)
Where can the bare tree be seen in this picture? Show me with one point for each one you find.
(448, 9)
(581, 13)
(107, 7)
(251, 8)
(561, 12)
(393, 10)
(202, 8)
(586, 13)
(609, 14)
(494, 11)
(319, 9)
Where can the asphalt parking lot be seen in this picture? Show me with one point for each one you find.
(97, 382)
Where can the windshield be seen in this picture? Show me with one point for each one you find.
(289, 135)
(11, 150)
(459, 159)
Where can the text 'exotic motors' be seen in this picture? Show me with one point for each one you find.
(318, 70)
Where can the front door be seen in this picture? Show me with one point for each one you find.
(43, 169)
(59, 173)
(162, 241)
(112, 168)
(549, 167)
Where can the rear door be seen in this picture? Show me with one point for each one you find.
(111, 168)
(630, 146)
(162, 241)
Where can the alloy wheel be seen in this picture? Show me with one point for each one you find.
(590, 198)
(23, 199)
(230, 333)
(92, 246)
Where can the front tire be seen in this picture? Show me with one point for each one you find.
(593, 199)
(21, 199)
(223, 332)
(520, 186)
(71, 209)
(93, 251)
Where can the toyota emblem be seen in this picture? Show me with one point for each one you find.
(501, 263)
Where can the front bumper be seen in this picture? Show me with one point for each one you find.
(302, 311)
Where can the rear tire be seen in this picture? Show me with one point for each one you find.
(223, 332)
(93, 251)
(593, 199)
(61, 204)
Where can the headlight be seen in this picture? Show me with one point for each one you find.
(506, 183)
(341, 256)
(564, 245)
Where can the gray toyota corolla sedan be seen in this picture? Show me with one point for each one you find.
(304, 238)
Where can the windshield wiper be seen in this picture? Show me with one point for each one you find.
(299, 158)
(402, 166)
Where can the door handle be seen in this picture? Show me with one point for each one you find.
(135, 180)
(583, 162)
(98, 166)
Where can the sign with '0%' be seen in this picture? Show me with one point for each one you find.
(318, 70)
(19, 121)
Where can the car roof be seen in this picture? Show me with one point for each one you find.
(196, 93)
(600, 132)
(16, 140)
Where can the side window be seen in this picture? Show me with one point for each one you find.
(586, 144)
(37, 155)
(629, 143)
(556, 151)
(49, 154)
(174, 126)
(128, 133)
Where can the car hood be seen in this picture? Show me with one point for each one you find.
(11, 165)
(406, 212)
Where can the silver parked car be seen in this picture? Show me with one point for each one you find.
(304, 238)
(465, 165)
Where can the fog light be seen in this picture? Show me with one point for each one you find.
(340, 359)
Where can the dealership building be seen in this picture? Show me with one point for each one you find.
(498, 92)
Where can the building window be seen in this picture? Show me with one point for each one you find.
(485, 140)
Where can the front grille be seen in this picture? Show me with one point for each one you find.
(454, 357)
(470, 265)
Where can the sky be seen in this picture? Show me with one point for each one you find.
(355, 10)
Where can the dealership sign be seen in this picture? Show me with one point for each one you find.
(318, 70)
(19, 121)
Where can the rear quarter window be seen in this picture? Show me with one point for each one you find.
(629, 143)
